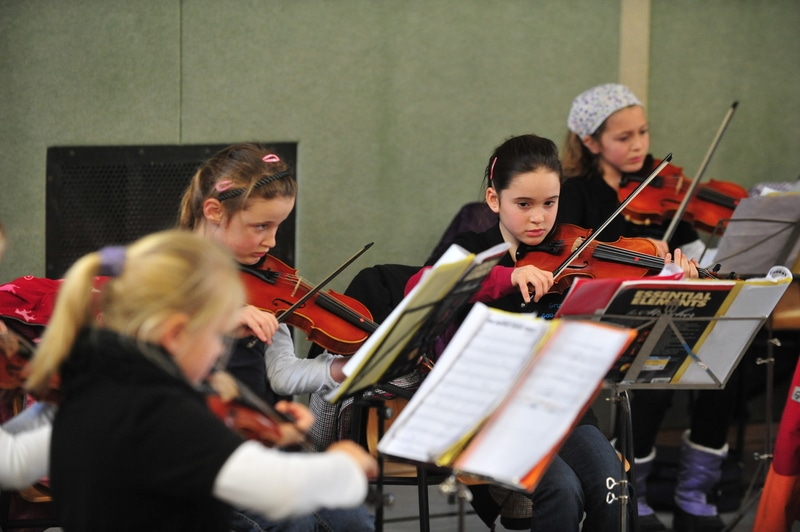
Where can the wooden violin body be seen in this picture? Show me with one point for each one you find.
(246, 420)
(659, 201)
(625, 257)
(336, 322)
(242, 410)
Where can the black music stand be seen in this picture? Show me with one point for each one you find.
(402, 342)
(763, 230)
(678, 322)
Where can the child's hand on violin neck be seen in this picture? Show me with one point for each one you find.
(689, 266)
(358, 454)
(256, 322)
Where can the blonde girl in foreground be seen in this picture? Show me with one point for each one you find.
(134, 446)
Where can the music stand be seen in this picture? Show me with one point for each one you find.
(763, 230)
(678, 322)
(399, 345)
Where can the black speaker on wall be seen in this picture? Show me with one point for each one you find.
(107, 195)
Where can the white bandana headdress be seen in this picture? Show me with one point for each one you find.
(591, 108)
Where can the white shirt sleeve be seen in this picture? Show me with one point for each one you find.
(24, 457)
(290, 375)
(280, 485)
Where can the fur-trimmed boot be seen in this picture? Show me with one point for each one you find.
(700, 470)
(648, 521)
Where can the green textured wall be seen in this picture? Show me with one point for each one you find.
(395, 105)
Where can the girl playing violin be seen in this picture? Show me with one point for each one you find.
(134, 445)
(523, 182)
(239, 198)
(608, 139)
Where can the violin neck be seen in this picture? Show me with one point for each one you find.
(624, 256)
(331, 304)
(633, 258)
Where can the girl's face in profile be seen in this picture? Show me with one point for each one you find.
(528, 207)
(250, 233)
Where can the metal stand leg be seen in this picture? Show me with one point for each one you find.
(753, 493)
(626, 450)
(452, 487)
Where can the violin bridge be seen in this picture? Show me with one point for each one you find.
(296, 286)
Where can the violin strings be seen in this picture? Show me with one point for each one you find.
(628, 257)
(638, 259)
(294, 280)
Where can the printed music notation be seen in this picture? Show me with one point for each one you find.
(527, 380)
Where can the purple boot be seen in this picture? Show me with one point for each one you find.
(700, 470)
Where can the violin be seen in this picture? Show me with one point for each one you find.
(334, 321)
(712, 202)
(625, 257)
(242, 411)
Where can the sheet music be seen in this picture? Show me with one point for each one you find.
(722, 349)
(490, 348)
(703, 327)
(541, 410)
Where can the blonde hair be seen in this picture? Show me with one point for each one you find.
(234, 175)
(162, 274)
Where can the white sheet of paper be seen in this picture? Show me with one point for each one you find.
(490, 349)
(541, 411)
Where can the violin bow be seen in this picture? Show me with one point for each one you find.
(622, 205)
(696, 181)
(324, 282)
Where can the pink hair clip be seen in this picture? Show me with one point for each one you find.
(222, 186)
(491, 172)
(271, 158)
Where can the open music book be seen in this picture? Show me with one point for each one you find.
(692, 332)
(504, 394)
(393, 349)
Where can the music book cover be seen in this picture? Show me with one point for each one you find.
(393, 349)
(693, 332)
(504, 395)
